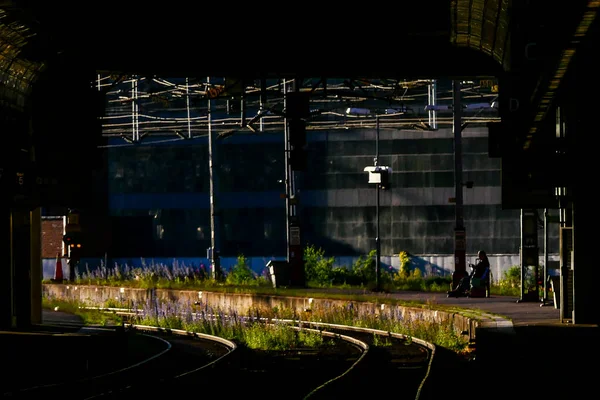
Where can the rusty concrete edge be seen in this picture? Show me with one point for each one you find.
(463, 321)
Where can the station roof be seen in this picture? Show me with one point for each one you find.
(424, 39)
(434, 39)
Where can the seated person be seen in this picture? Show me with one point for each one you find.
(482, 272)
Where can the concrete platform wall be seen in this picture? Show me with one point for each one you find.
(242, 303)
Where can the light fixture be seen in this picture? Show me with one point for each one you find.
(358, 111)
(436, 107)
(478, 106)
(396, 110)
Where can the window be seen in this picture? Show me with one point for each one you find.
(268, 230)
(119, 171)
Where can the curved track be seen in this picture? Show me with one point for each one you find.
(293, 373)
(395, 364)
(356, 359)
(151, 362)
(169, 362)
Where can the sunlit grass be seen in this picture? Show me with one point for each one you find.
(233, 325)
(182, 277)
(265, 329)
(88, 316)
(280, 337)
(252, 331)
(390, 319)
(381, 341)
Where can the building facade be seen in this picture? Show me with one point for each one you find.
(169, 185)
(159, 176)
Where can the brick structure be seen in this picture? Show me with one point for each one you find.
(52, 234)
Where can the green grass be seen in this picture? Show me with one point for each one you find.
(251, 330)
(263, 337)
(89, 317)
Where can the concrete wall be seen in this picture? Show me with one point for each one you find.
(242, 303)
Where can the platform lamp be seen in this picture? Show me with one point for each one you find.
(379, 175)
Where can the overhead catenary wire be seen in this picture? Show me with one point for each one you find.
(160, 115)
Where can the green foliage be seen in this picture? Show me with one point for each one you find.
(442, 334)
(411, 278)
(512, 276)
(363, 269)
(381, 341)
(438, 283)
(321, 272)
(241, 273)
(510, 284)
(279, 337)
(317, 267)
(405, 263)
(411, 281)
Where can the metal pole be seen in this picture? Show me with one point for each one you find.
(295, 86)
(187, 106)
(214, 259)
(243, 107)
(460, 268)
(523, 266)
(377, 238)
(546, 254)
(287, 175)
(432, 100)
(135, 134)
(36, 265)
(263, 101)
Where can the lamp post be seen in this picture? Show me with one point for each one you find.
(377, 237)
(379, 175)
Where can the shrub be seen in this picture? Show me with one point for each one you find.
(317, 267)
(240, 273)
(405, 262)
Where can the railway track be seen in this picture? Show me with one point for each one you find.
(165, 362)
(394, 364)
(355, 359)
(151, 362)
(386, 359)
(360, 362)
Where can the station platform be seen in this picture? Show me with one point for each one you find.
(522, 349)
